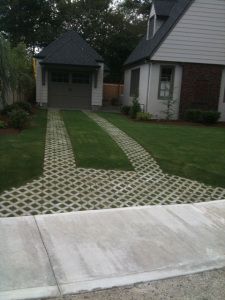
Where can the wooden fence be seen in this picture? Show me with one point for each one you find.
(112, 93)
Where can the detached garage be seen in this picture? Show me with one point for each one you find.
(69, 74)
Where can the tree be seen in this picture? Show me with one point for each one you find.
(22, 79)
(15, 71)
(112, 30)
(33, 22)
(4, 69)
(135, 10)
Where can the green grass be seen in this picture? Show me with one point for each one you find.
(193, 152)
(21, 156)
(93, 147)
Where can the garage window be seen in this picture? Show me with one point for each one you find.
(83, 78)
(60, 77)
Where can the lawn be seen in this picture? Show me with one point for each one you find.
(189, 151)
(21, 155)
(93, 147)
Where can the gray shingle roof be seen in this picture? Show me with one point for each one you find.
(163, 7)
(146, 48)
(70, 49)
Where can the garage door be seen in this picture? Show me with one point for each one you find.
(69, 89)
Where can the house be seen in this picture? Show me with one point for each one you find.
(182, 57)
(69, 74)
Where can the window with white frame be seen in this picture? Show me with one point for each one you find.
(166, 82)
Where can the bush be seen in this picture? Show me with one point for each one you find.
(19, 119)
(2, 124)
(193, 115)
(7, 110)
(210, 117)
(201, 116)
(25, 106)
(125, 110)
(135, 108)
(143, 116)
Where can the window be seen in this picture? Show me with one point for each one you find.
(60, 76)
(151, 27)
(134, 83)
(166, 82)
(83, 78)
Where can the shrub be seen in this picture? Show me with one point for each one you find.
(19, 119)
(25, 106)
(210, 117)
(193, 115)
(135, 108)
(2, 124)
(201, 116)
(143, 116)
(125, 110)
(7, 110)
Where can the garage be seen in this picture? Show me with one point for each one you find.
(69, 74)
(69, 89)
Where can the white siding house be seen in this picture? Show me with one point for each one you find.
(186, 55)
(198, 37)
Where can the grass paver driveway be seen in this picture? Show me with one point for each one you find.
(22, 155)
(192, 152)
(65, 187)
(93, 147)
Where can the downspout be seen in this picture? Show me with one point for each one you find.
(148, 88)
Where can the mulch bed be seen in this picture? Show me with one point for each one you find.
(9, 131)
(183, 123)
(178, 123)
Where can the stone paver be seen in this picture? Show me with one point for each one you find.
(65, 188)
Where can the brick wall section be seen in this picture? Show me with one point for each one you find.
(200, 87)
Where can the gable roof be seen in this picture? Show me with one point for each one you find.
(146, 48)
(163, 7)
(70, 49)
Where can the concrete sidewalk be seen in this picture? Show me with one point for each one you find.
(53, 255)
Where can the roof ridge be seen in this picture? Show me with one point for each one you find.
(69, 36)
(91, 49)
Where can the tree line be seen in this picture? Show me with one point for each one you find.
(112, 27)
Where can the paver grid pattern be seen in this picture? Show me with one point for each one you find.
(64, 187)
